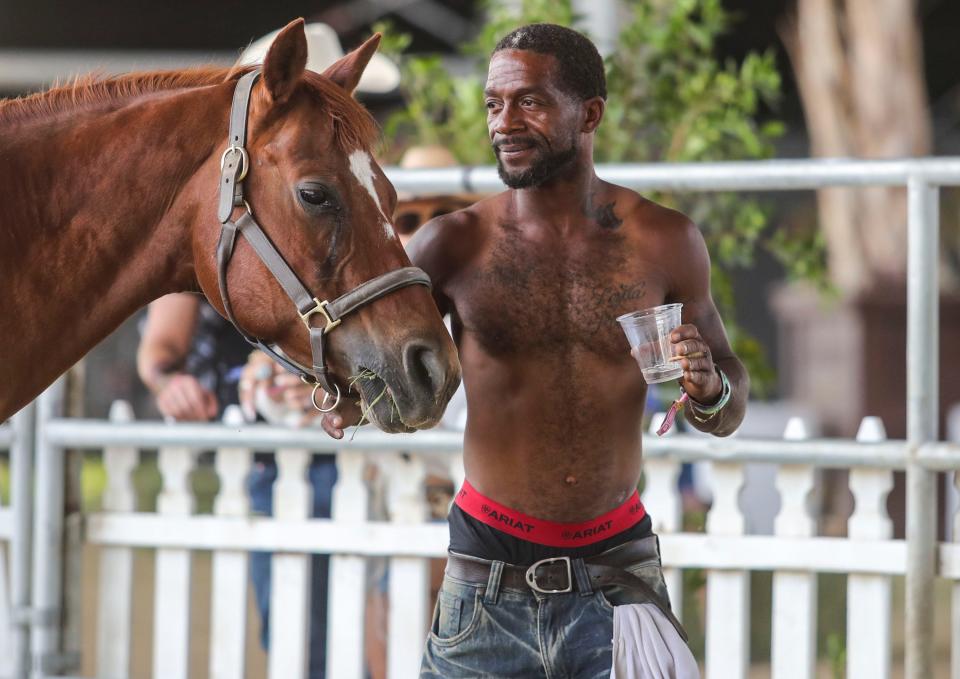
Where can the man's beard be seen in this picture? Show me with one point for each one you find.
(545, 165)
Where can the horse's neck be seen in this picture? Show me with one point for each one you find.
(94, 235)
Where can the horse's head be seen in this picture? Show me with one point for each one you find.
(313, 187)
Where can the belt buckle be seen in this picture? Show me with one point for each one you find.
(531, 575)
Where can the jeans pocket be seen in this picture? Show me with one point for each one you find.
(603, 601)
(456, 616)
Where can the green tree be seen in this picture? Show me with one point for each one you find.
(669, 100)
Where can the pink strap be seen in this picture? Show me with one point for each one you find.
(672, 414)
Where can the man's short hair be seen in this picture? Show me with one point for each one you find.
(580, 66)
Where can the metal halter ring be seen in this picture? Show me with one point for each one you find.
(326, 395)
(244, 161)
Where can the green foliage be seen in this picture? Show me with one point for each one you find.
(670, 100)
(837, 655)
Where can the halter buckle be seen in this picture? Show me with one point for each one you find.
(244, 160)
(320, 308)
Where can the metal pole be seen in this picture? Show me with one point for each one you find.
(48, 539)
(21, 491)
(745, 175)
(922, 403)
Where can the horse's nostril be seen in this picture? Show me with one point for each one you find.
(423, 366)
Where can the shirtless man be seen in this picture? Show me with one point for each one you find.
(533, 279)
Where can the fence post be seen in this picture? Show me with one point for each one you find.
(173, 573)
(346, 600)
(409, 576)
(290, 573)
(923, 335)
(48, 538)
(115, 599)
(662, 498)
(228, 606)
(21, 500)
(728, 591)
(794, 593)
(869, 596)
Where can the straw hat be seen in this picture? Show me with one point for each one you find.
(432, 155)
(323, 48)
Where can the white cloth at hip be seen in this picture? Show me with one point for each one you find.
(647, 646)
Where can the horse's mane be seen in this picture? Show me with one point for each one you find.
(353, 124)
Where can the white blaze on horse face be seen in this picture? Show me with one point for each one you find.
(362, 167)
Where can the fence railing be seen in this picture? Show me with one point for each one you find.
(794, 552)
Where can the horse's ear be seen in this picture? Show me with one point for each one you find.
(347, 70)
(285, 61)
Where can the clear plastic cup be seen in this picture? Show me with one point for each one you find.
(648, 332)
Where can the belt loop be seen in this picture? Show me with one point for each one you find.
(493, 583)
(583, 578)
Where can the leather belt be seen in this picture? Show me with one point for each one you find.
(556, 575)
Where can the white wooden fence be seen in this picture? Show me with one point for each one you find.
(794, 553)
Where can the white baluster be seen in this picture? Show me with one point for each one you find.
(172, 588)
(228, 606)
(869, 596)
(662, 499)
(409, 576)
(794, 645)
(347, 574)
(290, 573)
(116, 563)
(728, 592)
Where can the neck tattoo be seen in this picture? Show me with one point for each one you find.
(603, 215)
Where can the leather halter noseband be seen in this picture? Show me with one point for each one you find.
(234, 165)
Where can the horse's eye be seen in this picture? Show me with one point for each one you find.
(317, 197)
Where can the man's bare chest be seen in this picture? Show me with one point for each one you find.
(523, 296)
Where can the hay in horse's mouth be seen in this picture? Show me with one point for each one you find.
(373, 390)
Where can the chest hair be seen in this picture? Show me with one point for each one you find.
(527, 296)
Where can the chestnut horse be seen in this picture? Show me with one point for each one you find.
(110, 200)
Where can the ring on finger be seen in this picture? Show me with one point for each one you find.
(680, 357)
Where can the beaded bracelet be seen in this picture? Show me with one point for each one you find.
(708, 412)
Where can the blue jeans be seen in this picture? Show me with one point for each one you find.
(486, 630)
(323, 475)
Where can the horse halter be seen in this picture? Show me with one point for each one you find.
(234, 164)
